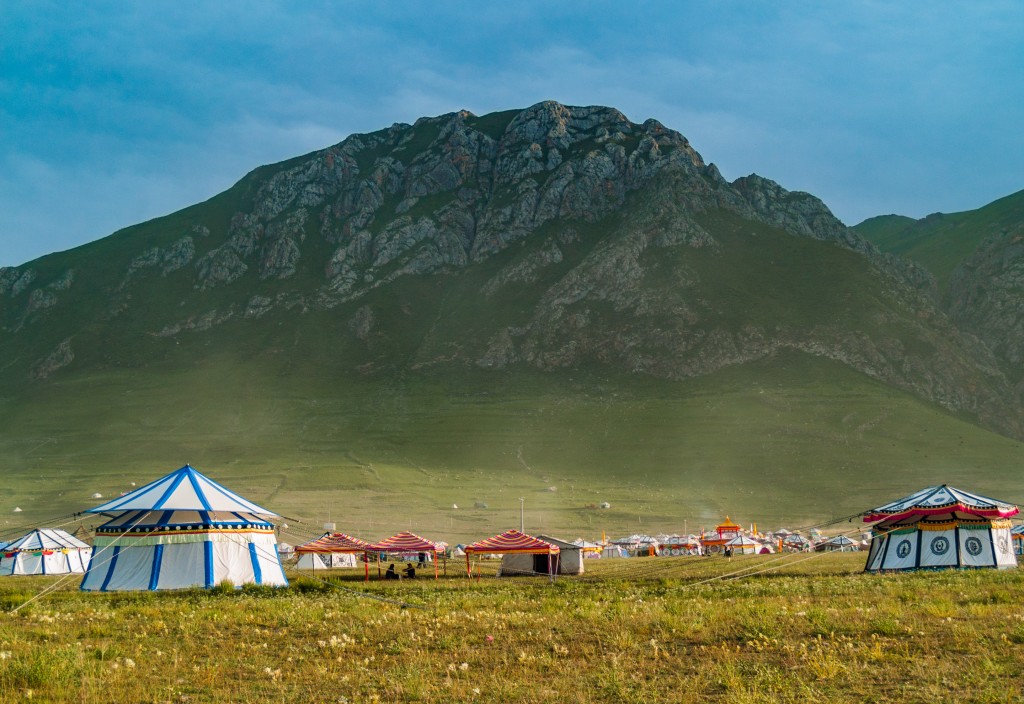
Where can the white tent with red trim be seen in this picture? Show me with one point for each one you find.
(941, 526)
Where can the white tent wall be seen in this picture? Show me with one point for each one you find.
(182, 567)
(516, 564)
(203, 561)
(570, 556)
(966, 545)
(310, 561)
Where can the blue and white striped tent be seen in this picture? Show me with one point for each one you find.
(44, 551)
(183, 530)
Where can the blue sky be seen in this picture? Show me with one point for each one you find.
(115, 113)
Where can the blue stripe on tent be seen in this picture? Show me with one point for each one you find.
(208, 554)
(204, 516)
(180, 475)
(199, 492)
(165, 518)
(257, 573)
(158, 556)
(110, 570)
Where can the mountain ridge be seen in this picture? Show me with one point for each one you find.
(560, 241)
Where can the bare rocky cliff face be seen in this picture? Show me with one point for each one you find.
(454, 192)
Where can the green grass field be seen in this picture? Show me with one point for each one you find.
(643, 630)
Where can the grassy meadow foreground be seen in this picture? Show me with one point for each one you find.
(642, 630)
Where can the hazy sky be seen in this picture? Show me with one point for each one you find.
(115, 113)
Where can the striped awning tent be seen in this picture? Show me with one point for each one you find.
(511, 541)
(406, 543)
(336, 543)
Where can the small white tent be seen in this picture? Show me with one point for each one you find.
(45, 551)
(183, 530)
(325, 561)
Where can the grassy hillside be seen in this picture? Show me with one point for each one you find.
(941, 241)
(789, 439)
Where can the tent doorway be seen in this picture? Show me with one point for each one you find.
(545, 564)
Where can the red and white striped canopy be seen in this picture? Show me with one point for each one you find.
(404, 543)
(334, 543)
(512, 541)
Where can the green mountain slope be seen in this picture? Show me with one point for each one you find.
(553, 303)
(940, 241)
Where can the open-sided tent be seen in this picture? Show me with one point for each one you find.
(45, 551)
(406, 543)
(941, 526)
(536, 556)
(183, 530)
(334, 546)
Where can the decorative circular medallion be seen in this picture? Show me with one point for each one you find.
(903, 549)
(973, 546)
(940, 545)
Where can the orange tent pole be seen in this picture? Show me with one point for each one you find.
(435, 564)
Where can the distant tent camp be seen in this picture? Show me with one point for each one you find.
(183, 530)
(45, 551)
(536, 556)
(941, 526)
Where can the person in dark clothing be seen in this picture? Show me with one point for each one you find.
(390, 573)
(409, 571)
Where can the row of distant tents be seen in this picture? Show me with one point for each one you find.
(186, 530)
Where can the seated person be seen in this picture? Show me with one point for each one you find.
(390, 573)
(409, 571)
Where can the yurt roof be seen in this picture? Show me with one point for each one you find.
(143, 521)
(334, 542)
(840, 540)
(742, 540)
(46, 539)
(512, 541)
(940, 500)
(184, 489)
